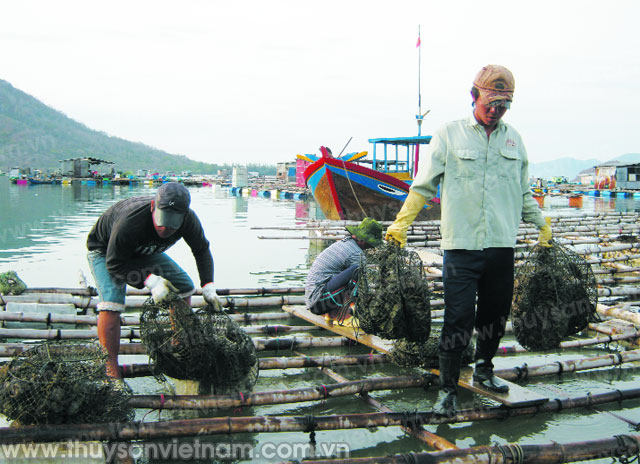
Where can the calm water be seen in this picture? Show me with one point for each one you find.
(42, 237)
(43, 232)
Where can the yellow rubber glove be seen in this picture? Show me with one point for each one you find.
(412, 206)
(544, 238)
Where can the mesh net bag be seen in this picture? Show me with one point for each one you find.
(62, 383)
(392, 298)
(555, 296)
(11, 284)
(424, 354)
(206, 345)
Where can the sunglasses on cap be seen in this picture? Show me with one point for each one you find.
(500, 104)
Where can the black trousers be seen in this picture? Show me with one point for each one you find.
(487, 274)
(336, 291)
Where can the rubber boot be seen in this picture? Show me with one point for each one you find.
(447, 402)
(483, 374)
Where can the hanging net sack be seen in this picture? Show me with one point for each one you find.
(11, 284)
(392, 297)
(555, 296)
(206, 345)
(62, 383)
(424, 354)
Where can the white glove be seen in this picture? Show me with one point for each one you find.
(159, 287)
(209, 293)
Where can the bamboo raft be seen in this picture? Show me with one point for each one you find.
(335, 364)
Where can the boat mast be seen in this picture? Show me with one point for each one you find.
(418, 116)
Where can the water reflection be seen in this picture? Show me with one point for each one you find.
(43, 232)
(240, 207)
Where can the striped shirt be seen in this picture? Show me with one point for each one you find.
(332, 261)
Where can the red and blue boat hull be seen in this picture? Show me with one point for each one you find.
(349, 191)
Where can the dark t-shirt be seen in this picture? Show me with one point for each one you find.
(125, 232)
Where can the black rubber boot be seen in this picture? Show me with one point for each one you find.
(483, 374)
(447, 402)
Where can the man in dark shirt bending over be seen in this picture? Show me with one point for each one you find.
(126, 246)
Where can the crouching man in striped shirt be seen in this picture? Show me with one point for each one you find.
(334, 272)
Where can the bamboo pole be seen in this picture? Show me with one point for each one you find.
(322, 361)
(130, 333)
(137, 301)
(619, 291)
(90, 291)
(267, 363)
(61, 334)
(619, 313)
(125, 320)
(277, 344)
(319, 392)
(258, 291)
(82, 302)
(260, 424)
(559, 367)
(619, 446)
(574, 343)
(261, 344)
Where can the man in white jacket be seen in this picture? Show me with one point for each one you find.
(481, 166)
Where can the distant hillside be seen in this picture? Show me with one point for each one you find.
(568, 167)
(628, 158)
(37, 136)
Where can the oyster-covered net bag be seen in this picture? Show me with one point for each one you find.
(392, 296)
(555, 296)
(62, 383)
(205, 345)
(424, 354)
(11, 284)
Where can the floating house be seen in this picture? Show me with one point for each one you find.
(86, 167)
(628, 176)
(286, 172)
(239, 177)
(605, 177)
(586, 176)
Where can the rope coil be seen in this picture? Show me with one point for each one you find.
(513, 451)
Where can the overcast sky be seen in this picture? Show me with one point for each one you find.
(263, 80)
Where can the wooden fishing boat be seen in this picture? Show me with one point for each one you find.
(35, 181)
(346, 189)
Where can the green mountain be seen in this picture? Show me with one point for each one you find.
(37, 136)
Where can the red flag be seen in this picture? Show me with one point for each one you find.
(418, 42)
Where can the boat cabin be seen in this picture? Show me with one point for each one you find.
(397, 156)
